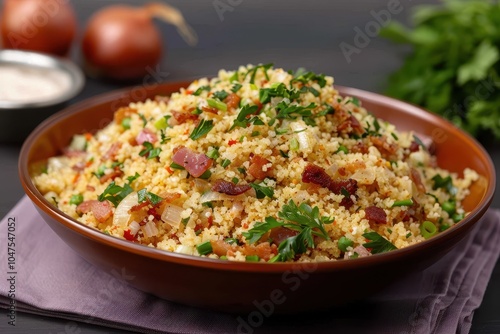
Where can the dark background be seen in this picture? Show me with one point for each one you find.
(290, 34)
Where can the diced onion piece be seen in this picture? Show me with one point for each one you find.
(237, 208)
(52, 197)
(149, 229)
(78, 143)
(304, 136)
(122, 214)
(210, 196)
(172, 215)
(201, 185)
(184, 249)
(57, 163)
(134, 227)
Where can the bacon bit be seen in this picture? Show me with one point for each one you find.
(111, 176)
(128, 235)
(415, 177)
(317, 175)
(182, 117)
(232, 101)
(146, 135)
(256, 164)
(73, 153)
(101, 210)
(79, 166)
(122, 113)
(348, 123)
(415, 212)
(387, 150)
(88, 136)
(263, 250)
(152, 211)
(375, 215)
(210, 221)
(360, 147)
(138, 207)
(111, 152)
(90, 188)
(220, 247)
(279, 234)
(211, 110)
(231, 142)
(229, 188)
(414, 147)
(195, 163)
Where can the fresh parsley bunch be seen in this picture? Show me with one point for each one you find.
(454, 67)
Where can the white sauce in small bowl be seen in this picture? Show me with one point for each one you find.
(27, 84)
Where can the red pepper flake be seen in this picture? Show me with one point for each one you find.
(170, 170)
(210, 221)
(189, 92)
(232, 142)
(128, 235)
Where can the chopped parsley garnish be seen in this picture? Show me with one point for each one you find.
(201, 129)
(225, 163)
(253, 72)
(255, 133)
(277, 90)
(303, 219)
(307, 77)
(419, 142)
(262, 190)
(132, 178)
(164, 137)
(235, 180)
(236, 87)
(377, 243)
(408, 235)
(235, 77)
(445, 183)
(184, 221)
(231, 241)
(173, 165)
(197, 111)
(283, 154)
(344, 243)
(342, 148)
(204, 248)
(244, 117)
(394, 136)
(114, 193)
(100, 171)
(206, 175)
(201, 89)
(242, 170)
(149, 150)
(144, 120)
(355, 101)
(292, 111)
(221, 95)
(328, 110)
(144, 195)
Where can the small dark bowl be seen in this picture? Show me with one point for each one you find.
(18, 119)
(238, 287)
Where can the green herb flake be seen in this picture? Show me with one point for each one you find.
(201, 89)
(126, 123)
(377, 243)
(236, 87)
(203, 127)
(213, 153)
(144, 120)
(444, 183)
(150, 151)
(144, 195)
(344, 243)
(221, 95)
(225, 163)
(283, 154)
(217, 104)
(204, 248)
(262, 190)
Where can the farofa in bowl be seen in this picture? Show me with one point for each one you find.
(256, 164)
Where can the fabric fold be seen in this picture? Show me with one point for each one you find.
(53, 281)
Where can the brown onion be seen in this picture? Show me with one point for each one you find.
(121, 42)
(46, 26)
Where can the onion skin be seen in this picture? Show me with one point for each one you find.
(47, 26)
(121, 42)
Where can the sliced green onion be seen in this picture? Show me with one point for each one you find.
(252, 258)
(457, 217)
(235, 180)
(294, 144)
(173, 165)
(405, 202)
(443, 227)
(217, 104)
(126, 123)
(394, 136)
(449, 206)
(231, 241)
(213, 153)
(76, 199)
(225, 163)
(205, 175)
(344, 243)
(223, 257)
(204, 248)
(428, 229)
(342, 148)
(162, 123)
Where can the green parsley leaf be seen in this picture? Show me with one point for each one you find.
(445, 183)
(236, 87)
(201, 129)
(221, 95)
(144, 195)
(307, 77)
(244, 117)
(149, 150)
(262, 190)
(144, 120)
(253, 72)
(377, 243)
(201, 89)
(76, 199)
(114, 193)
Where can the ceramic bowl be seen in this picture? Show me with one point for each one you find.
(241, 287)
(19, 117)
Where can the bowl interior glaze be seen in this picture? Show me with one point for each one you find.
(237, 287)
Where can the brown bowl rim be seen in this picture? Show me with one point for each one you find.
(203, 262)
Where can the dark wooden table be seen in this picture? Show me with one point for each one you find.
(290, 34)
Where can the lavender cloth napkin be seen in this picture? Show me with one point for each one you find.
(52, 280)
